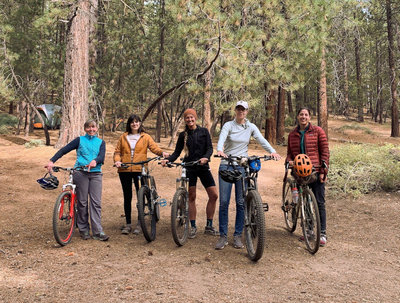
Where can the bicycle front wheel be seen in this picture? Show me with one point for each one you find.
(310, 221)
(288, 207)
(64, 218)
(147, 214)
(180, 217)
(254, 225)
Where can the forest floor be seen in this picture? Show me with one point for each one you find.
(360, 262)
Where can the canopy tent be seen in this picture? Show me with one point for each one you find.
(51, 115)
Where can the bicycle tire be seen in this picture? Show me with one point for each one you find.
(255, 226)
(311, 223)
(147, 215)
(288, 207)
(180, 217)
(63, 223)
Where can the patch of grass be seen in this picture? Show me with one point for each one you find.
(361, 169)
(33, 143)
(355, 127)
(5, 130)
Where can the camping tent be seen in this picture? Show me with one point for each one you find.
(51, 115)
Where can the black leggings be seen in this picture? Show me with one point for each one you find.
(126, 182)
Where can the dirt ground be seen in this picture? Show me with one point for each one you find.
(360, 262)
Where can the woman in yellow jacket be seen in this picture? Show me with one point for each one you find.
(132, 147)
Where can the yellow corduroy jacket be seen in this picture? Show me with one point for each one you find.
(123, 151)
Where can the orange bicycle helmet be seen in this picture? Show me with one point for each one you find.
(302, 165)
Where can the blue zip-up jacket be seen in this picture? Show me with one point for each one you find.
(88, 148)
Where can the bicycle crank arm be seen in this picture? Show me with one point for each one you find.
(265, 207)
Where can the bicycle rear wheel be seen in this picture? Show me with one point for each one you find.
(310, 221)
(288, 207)
(254, 225)
(63, 218)
(180, 217)
(147, 215)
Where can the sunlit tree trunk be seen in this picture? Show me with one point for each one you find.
(270, 121)
(76, 77)
(323, 100)
(160, 73)
(280, 129)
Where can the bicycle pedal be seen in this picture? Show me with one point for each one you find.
(162, 202)
(265, 206)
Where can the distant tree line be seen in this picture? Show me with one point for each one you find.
(107, 59)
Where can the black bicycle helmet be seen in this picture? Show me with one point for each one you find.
(230, 176)
(48, 183)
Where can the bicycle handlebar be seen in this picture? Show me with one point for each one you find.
(127, 164)
(184, 164)
(233, 158)
(56, 169)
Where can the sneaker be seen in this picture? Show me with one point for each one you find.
(126, 230)
(101, 237)
(237, 242)
(85, 235)
(210, 230)
(221, 243)
(322, 240)
(192, 233)
(138, 229)
(310, 236)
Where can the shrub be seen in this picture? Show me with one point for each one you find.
(8, 120)
(4, 130)
(355, 127)
(363, 168)
(33, 143)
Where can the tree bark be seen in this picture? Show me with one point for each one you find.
(360, 103)
(392, 67)
(160, 72)
(345, 109)
(207, 95)
(270, 121)
(323, 100)
(76, 78)
(280, 123)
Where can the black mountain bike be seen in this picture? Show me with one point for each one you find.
(180, 205)
(254, 208)
(149, 201)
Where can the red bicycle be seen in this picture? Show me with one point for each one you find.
(64, 213)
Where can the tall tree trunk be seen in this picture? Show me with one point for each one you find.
(392, 67)
(289, 103)
(207, 94)
(160, 72)
(280, 125)
(270, 121)
(323, 100)
(345, 109)
(360, 103)
(76, 77)
(378, 109)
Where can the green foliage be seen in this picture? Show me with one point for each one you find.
(361, 169)
(4, 129)
(8, 120)
(33, 143)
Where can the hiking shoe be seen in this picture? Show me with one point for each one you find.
(137, 230)
(221, 243)
(210, 230)
(101, 237)
(126, 230)
(322, 240)
(192, 233)
(85, 235)
(237, 242)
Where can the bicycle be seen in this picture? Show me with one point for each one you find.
(180, 204)
(149, 201)
(306, 208)
(254, 208)
(64, 213)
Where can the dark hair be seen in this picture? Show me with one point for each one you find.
(131, 119)
(301, 108)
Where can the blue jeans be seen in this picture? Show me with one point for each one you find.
(225, 190)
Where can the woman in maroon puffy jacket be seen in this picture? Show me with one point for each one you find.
(311, 140)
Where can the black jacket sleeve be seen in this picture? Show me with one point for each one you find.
(209, 151)
(102, 153)
(178, 148)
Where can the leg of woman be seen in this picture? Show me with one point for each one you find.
(225, 190)
(212, 201)
(126, 182)
(135, 176)
(82, 188)
(318, 189)
(95, 190)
